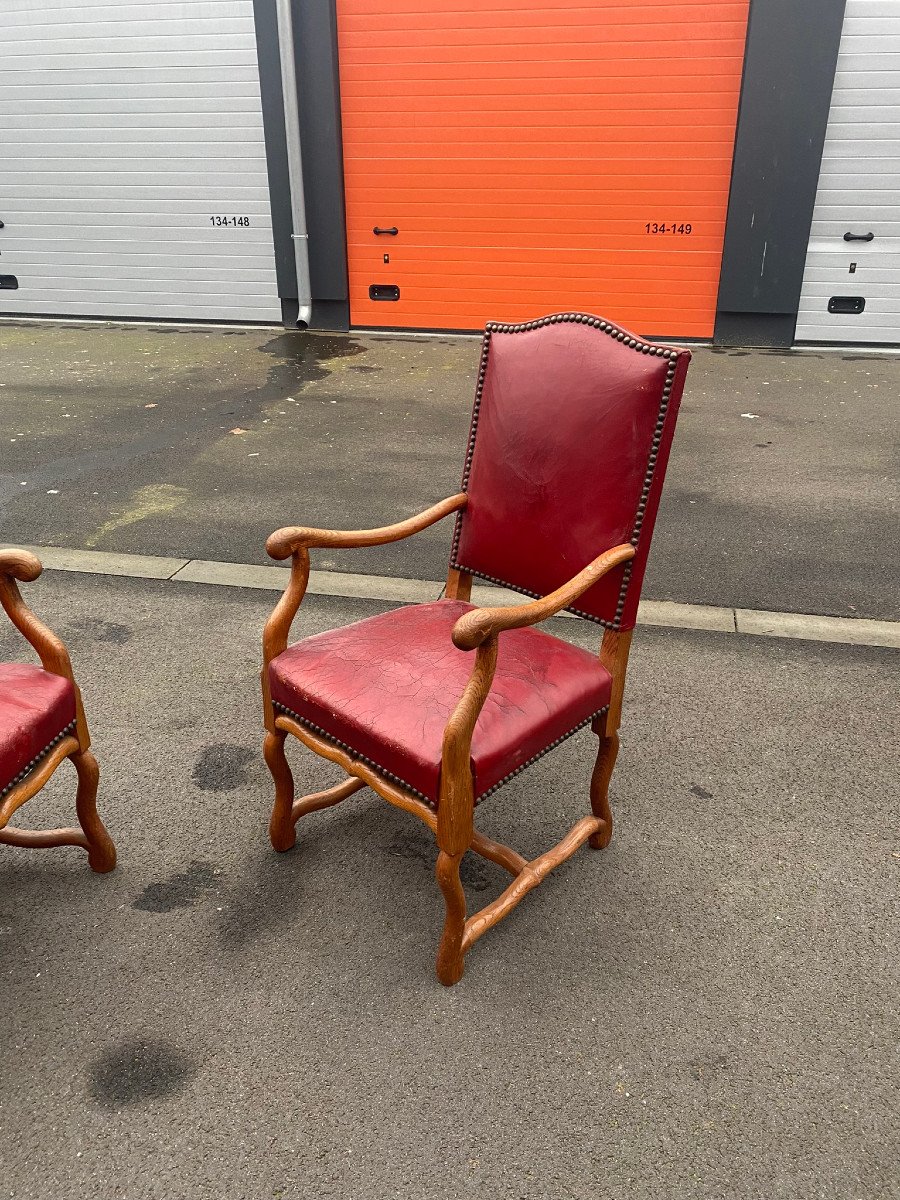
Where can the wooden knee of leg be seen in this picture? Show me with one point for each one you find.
(281, 825)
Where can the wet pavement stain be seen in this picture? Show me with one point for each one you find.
(180, 890)
(414, 845)
(697, 790)
(222, 767)
(708, 1068)
(139, 1070)
(302, 358)
(102, 631)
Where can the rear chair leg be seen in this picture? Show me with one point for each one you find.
(450, 955)
(282, 833)
(603, 769)
(100, 848)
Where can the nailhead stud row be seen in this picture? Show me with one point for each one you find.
(620, 336)
(352, 751)
(402, 782)
(648, 481)
(541, 753)
(26, 771)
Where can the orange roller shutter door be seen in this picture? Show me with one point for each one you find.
(536, 157)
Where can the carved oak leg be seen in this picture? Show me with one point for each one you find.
(603, 769)
(450, 955)
(281, 828)
(100, 848)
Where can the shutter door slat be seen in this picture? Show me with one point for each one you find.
(126, 128)
(859, 184)
(522, 149)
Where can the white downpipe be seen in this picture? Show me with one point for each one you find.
(299, 234)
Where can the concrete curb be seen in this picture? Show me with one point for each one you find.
(669, 614)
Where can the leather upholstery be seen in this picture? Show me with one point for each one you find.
(570, 439)
(35, 708)
(386, 686)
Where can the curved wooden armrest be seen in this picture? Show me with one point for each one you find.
(22, 565)
(473, 629)
(285, 542)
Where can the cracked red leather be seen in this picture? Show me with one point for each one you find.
(386, 686)
(35, 706)
(565, 432)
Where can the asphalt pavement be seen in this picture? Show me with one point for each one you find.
(709, 1008)
(781, 493)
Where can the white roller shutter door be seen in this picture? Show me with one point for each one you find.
(859, 190)
(134, 178)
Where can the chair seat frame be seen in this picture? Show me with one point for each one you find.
(453, 823)
(74, 744)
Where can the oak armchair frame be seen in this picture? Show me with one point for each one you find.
(453, 823)
(19, 565)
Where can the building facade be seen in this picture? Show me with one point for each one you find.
(723, 170)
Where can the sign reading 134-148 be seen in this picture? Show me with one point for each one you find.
(220, 221)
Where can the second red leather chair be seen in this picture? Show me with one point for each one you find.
(436, 706)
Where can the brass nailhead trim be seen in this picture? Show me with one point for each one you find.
(26, 771)
(540, 754)
(329, 737)
(621, 336)
(432, 804)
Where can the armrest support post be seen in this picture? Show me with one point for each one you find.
(278, 626)
(457, 797)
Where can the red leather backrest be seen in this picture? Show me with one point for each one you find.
(570, 437)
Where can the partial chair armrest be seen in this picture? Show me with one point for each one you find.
(23, 566)
(295, 541)
(476, 627)
(285, 542)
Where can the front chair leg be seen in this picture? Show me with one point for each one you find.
(450, 954)
(282, 833)
(100, 848)
(603, 769)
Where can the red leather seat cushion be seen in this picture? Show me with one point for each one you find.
(385, 687)
(35, 708)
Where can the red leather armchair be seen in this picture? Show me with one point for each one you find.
(41, 724)
(435, 706)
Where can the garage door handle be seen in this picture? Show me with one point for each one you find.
(1, 224)
(393, 231)
(859, 237)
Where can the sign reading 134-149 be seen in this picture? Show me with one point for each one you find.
(671, 227)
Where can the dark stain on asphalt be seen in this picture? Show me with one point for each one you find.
(418, 846)
(103, 631)
(222, 767)
(701, 792)
(300, 359)
(180, 890)
(706, 1068)
(138, 1070)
